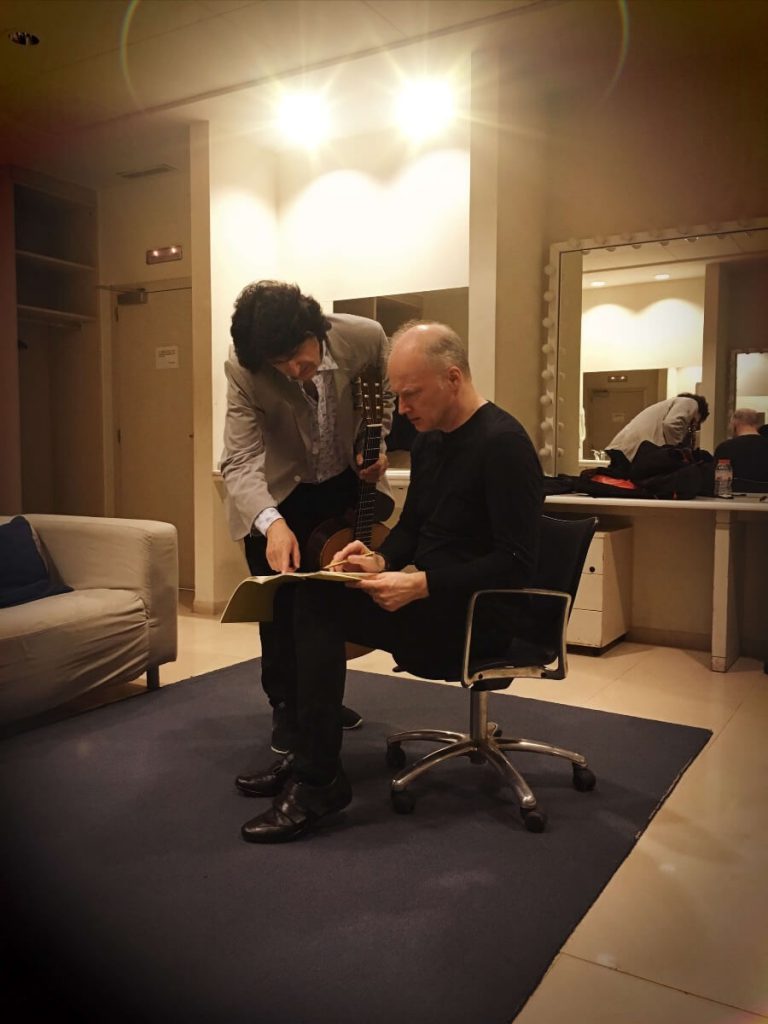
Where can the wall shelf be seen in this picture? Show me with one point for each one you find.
(60, 317)
(51, 261)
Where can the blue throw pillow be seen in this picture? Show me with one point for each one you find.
(24, 575)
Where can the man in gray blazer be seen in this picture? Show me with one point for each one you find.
(291, 442)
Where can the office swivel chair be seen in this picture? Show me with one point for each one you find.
(530, 625)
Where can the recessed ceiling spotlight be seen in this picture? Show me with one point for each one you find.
(302, 118)
(425, 107)
(597, 284)
(661, 277)
(24, 38)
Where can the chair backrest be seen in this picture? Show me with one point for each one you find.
(563, 547)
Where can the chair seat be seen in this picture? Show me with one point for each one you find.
(520, 654)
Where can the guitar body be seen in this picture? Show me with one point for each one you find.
(333, 535)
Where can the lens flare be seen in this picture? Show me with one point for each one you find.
(424, 108)
(125, 28)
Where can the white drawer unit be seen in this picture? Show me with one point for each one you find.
(602, 611)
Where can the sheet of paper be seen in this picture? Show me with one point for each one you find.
(253, 597)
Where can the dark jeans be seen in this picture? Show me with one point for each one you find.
(313, 621)
(304, 510)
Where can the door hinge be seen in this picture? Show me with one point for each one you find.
(117, 316)
(119, 436)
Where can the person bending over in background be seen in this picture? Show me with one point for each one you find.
(470, 521)
(673, 421)
(290, 461)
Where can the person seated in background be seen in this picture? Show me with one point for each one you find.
(672, 421)
(747, 449)
(470, 522)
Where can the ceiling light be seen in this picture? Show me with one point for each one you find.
(424, 108)
(303, 118)
(661, 277)
(597, 284)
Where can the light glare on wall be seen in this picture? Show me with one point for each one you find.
(303, 118)
(424, 108)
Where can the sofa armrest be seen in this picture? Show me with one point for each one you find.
(140, 555)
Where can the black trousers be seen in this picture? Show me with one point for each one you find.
(313, 620)
(304, 510)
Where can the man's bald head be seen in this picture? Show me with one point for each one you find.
(745, 421)
(429, 373)
(438, 343)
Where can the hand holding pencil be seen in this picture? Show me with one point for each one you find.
(356, 557)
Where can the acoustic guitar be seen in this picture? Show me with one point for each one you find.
(332, 535)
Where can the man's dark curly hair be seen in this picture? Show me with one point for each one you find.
(701, 401)
(271, 320)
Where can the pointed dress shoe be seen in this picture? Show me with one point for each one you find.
(268, 782)
(297, 810)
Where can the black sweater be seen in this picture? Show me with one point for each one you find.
(471, 514)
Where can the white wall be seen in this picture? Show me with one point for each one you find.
(244, 243)
(644, 327)
(142, 214)
(373, 216)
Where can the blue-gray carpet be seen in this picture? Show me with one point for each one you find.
(128, 895)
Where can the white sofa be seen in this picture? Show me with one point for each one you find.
(118, 623)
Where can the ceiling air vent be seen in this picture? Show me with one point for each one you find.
(146, 172)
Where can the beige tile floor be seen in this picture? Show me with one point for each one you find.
(680, 933)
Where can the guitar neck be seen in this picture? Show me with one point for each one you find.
(366, 500)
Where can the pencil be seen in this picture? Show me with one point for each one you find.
(341, 561)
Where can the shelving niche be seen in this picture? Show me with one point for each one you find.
(54, 276)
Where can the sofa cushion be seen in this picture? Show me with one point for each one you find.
(53, 650)
(24, 575)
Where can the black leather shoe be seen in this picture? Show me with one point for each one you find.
(350, 719)
(298, 809)
(268, 782)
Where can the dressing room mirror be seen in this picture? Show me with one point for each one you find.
(635, 319)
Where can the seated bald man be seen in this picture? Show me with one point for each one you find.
(747, 450)
(470, 521)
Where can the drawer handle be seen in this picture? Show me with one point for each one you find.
(591, 568)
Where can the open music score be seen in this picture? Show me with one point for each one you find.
(252, 599)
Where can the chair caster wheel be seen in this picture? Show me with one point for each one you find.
(533, 819)
(402, 801)
(583, 779)
(395, 757)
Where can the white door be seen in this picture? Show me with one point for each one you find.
(152, 357)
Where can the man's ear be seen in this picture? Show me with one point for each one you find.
(455, 375)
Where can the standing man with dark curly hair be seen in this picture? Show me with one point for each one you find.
(291, 435)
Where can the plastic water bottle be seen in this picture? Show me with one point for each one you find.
(723, 479)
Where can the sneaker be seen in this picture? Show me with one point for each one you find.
(284, 732)
(350, 719)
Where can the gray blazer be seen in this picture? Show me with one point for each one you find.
(267, 429)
